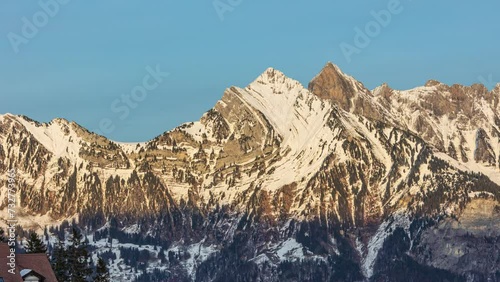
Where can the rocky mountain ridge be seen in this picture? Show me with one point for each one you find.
(273, 160)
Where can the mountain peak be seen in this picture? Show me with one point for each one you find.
(331, 68)
(432, 82)
(333, 84)
(383, 90)
(275, 79)
(480, 89)
(270, 71)
(6, 115)
(60, 121)
(271, 75)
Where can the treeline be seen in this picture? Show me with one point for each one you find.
(70, 258)
(138, 259)
(160, 276)
(72, 262)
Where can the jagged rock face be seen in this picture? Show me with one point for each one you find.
(349, 94)
(331, 84)
(495, 97)
(460, 121)
(275, 171)
(484, 152)
(385, 91)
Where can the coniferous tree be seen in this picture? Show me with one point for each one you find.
(161, 256)
(78, 258)
(46, 234)
(59, 262)
(102, 273)
(35, 245)
(2, 237)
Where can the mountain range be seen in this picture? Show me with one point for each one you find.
(280, 182)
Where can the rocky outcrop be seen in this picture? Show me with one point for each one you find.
(484, 152)
(334, 85)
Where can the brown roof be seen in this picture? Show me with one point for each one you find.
(37, 262)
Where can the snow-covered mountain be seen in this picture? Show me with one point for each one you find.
(283, 183)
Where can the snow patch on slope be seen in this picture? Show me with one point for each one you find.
(198, 253)
(298, 116)
(56, 136)
(290, 250)
(130, 147)
(377, 241)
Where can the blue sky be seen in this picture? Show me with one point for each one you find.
(88, 53)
